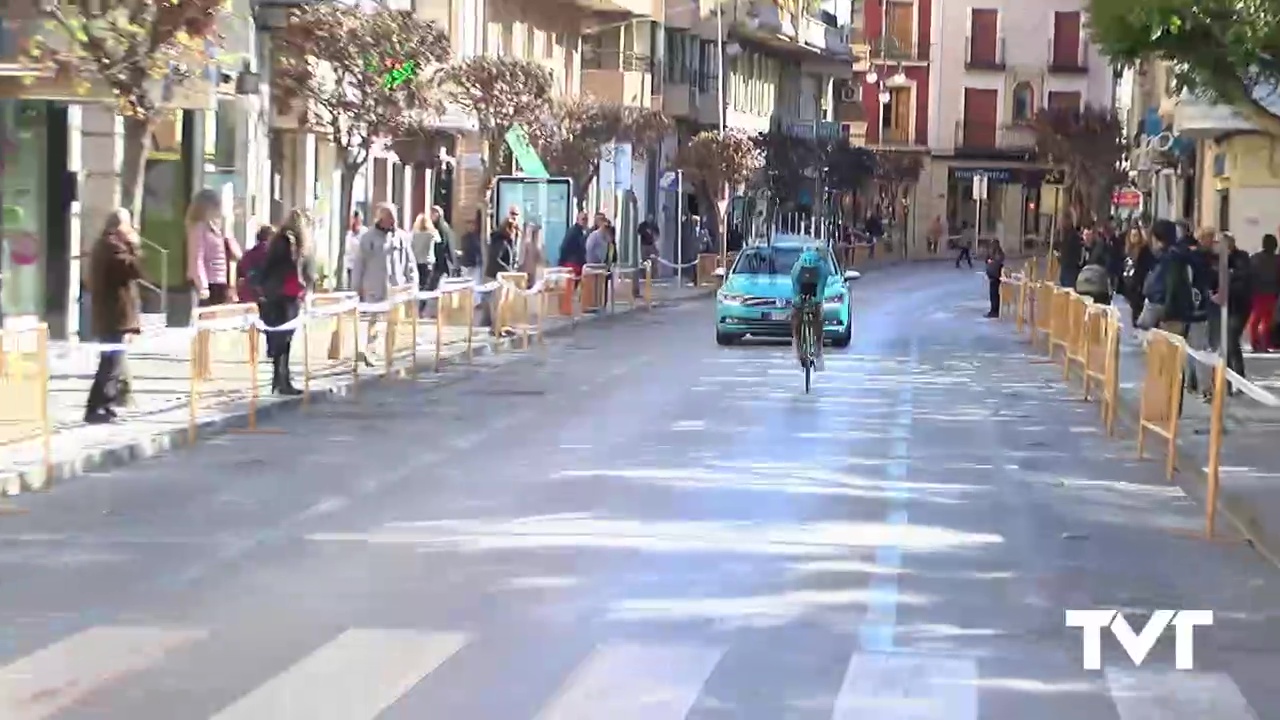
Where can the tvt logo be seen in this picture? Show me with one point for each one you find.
(1139, 644)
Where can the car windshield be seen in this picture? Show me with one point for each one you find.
(767, 261)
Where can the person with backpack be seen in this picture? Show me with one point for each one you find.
(249, 271)
(1093, 280)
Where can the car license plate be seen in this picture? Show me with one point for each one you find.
(778, 315)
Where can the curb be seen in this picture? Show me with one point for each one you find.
(1190, 477)
(236, 415)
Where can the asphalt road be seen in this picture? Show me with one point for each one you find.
(640, 525)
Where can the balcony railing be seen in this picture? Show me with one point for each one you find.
(977, 57)
(1064, 62)
(895, 137)
(593, 59)
(891, 48)
(993, 137)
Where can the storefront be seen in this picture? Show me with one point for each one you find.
(33, 246)
(1013, 209)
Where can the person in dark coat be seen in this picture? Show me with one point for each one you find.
(446, 255)
(995, 268)
(501, 258)
(1138, 263)
(287, 276)
(573, 249)
(115, 267)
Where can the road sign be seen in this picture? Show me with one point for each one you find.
(979, 187)
(1128, 198)
(526, 157)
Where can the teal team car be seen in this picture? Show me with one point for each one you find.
(755, 299)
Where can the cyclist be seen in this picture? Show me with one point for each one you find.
(808, 278)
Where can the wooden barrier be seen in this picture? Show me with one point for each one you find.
(24, 390)
(1042, 316)
(1102, 361)
(1073, 346)
(1059, 319)
(706, 269)
(329, 339)
(1162, 393)
(594, 289)
(402, 329)
(224, 359)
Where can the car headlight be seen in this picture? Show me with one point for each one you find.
(834, 300)
(731, 298)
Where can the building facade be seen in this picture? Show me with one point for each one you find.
(993, 72)
(781, 67)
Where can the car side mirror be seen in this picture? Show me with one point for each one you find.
(851, 275)
(720, 272)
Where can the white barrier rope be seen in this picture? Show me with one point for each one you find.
(1206, 357)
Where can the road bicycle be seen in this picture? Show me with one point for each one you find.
(807, 349)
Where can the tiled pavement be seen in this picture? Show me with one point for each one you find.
(158, 420)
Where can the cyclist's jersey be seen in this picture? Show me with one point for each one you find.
(809, 275)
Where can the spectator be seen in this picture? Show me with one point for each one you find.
(1139, 260)
(351, 246)
(384, 261)
(1264, 270)
(287, 276)
(115, 267)
(532, 254)
(425, 238)
(1094, 279)
(471, 254)
(503, 245)
(573, 250)
(965, 243)
(210, 250)
(1238, 298)
(249, 271)
(598, 242)
(446, 251)
(995, 267)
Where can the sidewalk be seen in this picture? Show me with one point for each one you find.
(160, 364)
(1249, 488)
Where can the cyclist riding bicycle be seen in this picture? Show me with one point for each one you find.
(808, 279)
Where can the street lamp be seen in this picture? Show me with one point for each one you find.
(884, 96)
(899, 77)
(872, 77)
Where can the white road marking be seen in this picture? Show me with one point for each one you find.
(905, 687)
(53, 679)
(355, 676)
(625, 681)
(1141, 694)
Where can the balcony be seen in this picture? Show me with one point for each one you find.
(896, 137)
(630, 8)
(621, 78)
(988, 139)
(894, 49)
(680, 100)
(1064, 64)
(988, 56)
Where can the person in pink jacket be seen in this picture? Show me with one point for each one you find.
(210, 250)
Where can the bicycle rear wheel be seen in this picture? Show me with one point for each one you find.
(806, 337)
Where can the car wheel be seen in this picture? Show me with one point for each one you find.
(723, 338)
(844, 338)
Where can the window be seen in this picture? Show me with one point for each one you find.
(1024, 102)
(709, 75)
(984, 38)
(981, 117)
(1063, 100)
(895, 117)
(1066, 40)
(900, 34)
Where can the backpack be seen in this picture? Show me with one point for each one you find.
(808, 279)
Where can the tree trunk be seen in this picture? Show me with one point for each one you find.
(490, 154)
(133, 165)
(345, 193)
(1266, 122)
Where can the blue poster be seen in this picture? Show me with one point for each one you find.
(544, 202)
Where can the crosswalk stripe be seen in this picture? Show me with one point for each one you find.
(890, 686)
(1141, 694)
(625, 681)
(354, 677)
(53, 679)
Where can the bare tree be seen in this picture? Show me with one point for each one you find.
(1088, 145)
(360, 77)
(581, 131)
(501, 92)
(715, 163)
(132, 50)
(895, 172)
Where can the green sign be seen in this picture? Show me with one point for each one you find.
(526, 157)
(394, 72)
